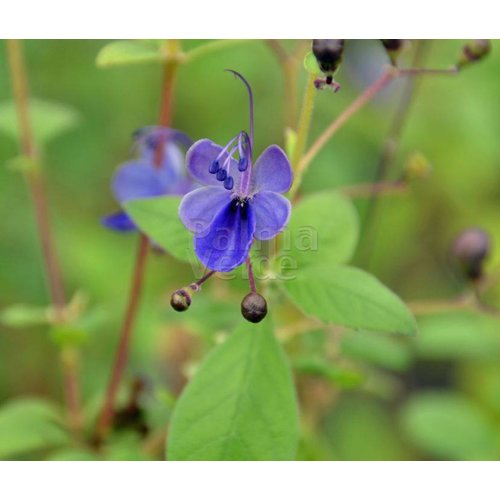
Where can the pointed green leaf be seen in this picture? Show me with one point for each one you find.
(129, 52)
(240, 405)
(323, 228)
(158, 218)
(49, 120)
(349, 297)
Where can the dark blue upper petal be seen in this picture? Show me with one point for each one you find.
(119, 221)
(227, 242)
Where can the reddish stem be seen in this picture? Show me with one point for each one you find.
(251, 278)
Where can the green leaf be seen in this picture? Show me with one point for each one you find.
(324, 228)
(458, 335)
(343, 377)
(449, 426)
(240, 405)
(29, 425)
(377, 349)
(23, 316)
(311, 64)
(349, 297)
(49, 120)
(158, 218)
(129, 52)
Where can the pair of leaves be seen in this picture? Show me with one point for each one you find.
(324, 233)
(240, 405)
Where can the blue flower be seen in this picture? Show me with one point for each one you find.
(142, 178)
(240, 200)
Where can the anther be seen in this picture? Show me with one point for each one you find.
(214, 167)
(221, 175)
(242, 164)
(229, 183)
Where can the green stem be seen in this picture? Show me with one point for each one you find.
(303, 131)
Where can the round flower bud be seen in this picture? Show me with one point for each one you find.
(470, 249)
(180, 300)
(328, 53)
(254, 307)
(474, 51)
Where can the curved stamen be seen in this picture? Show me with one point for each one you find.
(250, 95)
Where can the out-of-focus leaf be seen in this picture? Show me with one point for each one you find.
(28, 425)
(48, 119)
(449, 426)
(342, 377)
(158, 218)
(350, 297)
(378, 349)
(458, 335)
(362, 429)
(240, 405)
(126, 52)
(323, 228)
(23, 316)
(311, 64)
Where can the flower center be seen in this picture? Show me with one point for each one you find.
(240, 204)
(221, 166)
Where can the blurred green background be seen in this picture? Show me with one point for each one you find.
(433, 397)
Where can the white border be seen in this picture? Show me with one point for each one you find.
(247, 19)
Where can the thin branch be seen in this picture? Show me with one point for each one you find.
(35, 183)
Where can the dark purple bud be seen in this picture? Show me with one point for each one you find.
(214, 167)
(229, 183)
(180, 300)
(242, 164)
(328, 53)
(470, 249)
(221, 175)
(474, 51)
(254, 307)
(393, 48)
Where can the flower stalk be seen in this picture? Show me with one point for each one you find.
(34, 179)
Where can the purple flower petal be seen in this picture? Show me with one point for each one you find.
(228, 241)
(137, 179)
(199, 158)
(272, 171)
(119, 221)
(272, 212)
(199, 207)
